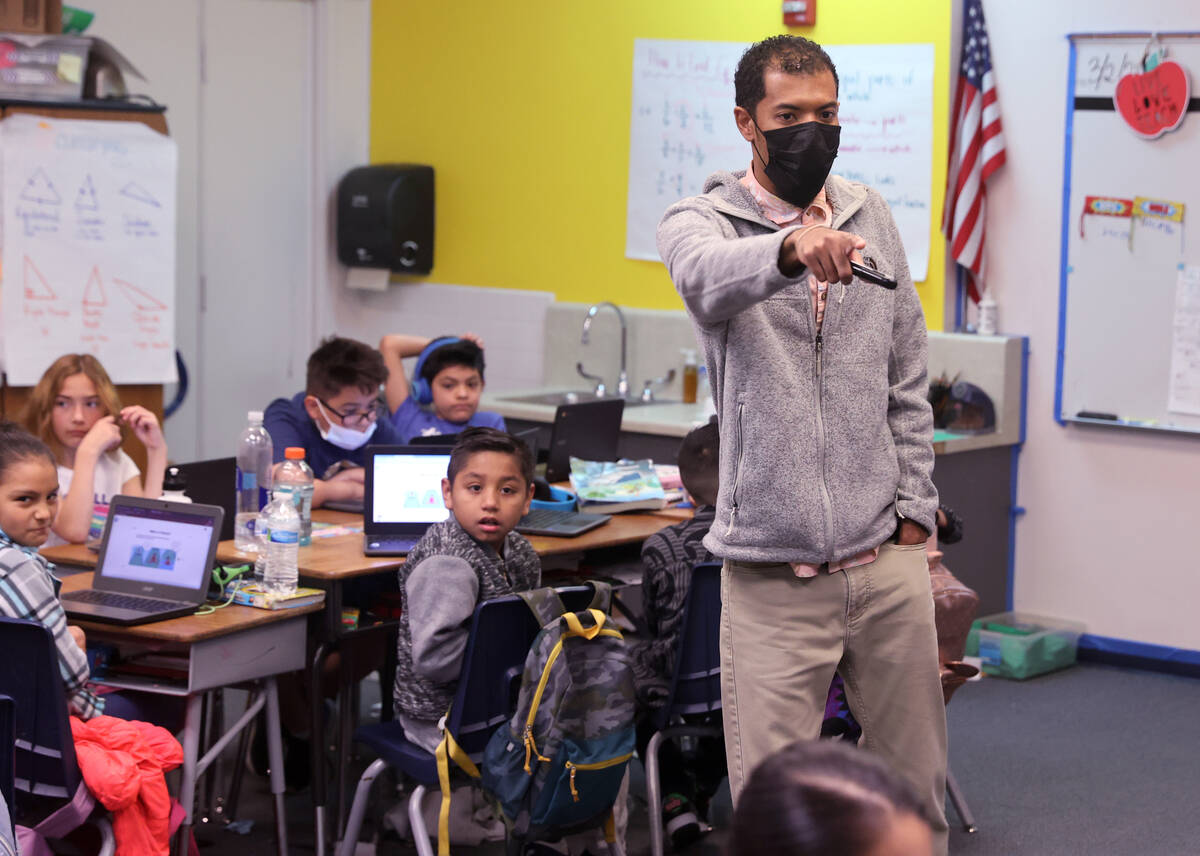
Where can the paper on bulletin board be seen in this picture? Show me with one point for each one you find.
(682, 130)
(89, 247)
(1185, 344)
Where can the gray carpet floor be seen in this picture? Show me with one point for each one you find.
(1089, 760)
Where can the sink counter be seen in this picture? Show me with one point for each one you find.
(664, 420)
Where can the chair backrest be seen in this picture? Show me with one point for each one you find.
(501, 632)
(8, 736)
(44, 751)
(696, 684)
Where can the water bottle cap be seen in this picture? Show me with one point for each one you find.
(255, 416)
(294, 453)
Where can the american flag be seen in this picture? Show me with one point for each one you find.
(976, 148)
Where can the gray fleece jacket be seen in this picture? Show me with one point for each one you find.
(826, 441)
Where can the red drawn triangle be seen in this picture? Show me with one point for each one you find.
(36, 287)
(138, 297)
(93, 293)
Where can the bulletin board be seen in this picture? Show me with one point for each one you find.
(1129, 301)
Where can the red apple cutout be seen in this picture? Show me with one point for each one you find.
(1154, 102)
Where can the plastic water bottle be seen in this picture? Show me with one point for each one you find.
(284, 539)
(253, 487)
(262, 541)
(296, 477)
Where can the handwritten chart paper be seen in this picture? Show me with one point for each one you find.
(682, 131)
(1185, 344)
(89, 247)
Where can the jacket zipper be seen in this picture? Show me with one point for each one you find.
(594, 765)
(737, 472)
(826, 502)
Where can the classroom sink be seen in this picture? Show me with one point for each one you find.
(553, 399)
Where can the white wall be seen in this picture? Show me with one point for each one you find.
(1111, 514)
(268, 102)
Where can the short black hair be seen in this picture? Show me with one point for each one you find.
(338, 363)
(790, 54)
(699, 459)
(476, 440)
(463, 352)
(17, 444)
(819, 797)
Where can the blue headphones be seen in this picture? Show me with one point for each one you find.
(420, 389)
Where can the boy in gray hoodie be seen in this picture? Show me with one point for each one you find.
(819, 380)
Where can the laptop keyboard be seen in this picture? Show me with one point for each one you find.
(120, 601)
(543, 517)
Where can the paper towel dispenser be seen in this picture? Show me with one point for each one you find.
(385, 217)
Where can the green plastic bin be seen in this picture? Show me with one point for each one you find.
(1019, 645)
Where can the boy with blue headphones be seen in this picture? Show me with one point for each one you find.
(443, 396)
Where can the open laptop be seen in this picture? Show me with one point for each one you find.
(214, 482)
(402, 496)
(154, 562)
(589, 430)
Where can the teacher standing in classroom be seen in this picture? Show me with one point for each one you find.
(819, 380)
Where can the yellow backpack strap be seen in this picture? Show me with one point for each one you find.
(575, 626)
(449, 750)
(610, 827)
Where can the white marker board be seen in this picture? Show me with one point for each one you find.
(1127, 305)
(682, 130)
(89, 247)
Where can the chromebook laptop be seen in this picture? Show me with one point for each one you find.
(402, 496)
(154, 563)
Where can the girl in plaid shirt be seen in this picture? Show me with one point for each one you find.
(28, 504)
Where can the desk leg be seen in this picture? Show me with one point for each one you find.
(317, 731)
(346, 687)
(187, 786)
(275, 754)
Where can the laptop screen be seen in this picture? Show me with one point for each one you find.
(407, 488)
(159, 546)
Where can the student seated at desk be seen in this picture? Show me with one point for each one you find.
(334, 417)
(443, 397)
(29, 590)
(75, 410)
(472, 556)
(669, 557)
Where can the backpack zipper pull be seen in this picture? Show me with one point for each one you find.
(574, 793)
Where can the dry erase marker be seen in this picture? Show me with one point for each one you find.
(1094, 414)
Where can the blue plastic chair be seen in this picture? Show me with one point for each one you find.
(8, 737)
(695, 686)
(501, 633)
(47, 780)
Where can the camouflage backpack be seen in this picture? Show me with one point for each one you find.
(558, 763)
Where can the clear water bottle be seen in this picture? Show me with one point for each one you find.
(296, 477)
(254, 456)
(262, 541)
(284, 540)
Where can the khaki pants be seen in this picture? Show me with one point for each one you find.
(782, 639)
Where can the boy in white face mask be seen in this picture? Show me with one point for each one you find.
(335, 417)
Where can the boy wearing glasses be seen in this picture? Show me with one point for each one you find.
(334, 417)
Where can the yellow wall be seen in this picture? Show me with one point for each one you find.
(523, 110)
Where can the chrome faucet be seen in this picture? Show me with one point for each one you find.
(623, 378)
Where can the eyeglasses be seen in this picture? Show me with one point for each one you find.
(353, 418)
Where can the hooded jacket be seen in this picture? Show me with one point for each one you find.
(826, 441)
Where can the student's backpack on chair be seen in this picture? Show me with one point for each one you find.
(556, 767)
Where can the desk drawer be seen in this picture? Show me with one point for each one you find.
(269, 649)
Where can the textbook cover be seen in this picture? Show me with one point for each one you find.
(250, 593)
(612, 486)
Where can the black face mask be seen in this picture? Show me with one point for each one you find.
(799, 159)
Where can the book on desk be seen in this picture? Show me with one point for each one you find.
(251, 593)
(611, 487)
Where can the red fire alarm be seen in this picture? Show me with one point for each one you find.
(799, 13)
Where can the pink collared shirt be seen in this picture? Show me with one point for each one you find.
(818, 213)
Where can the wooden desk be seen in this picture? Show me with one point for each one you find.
(230, 646)
(328, 563)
